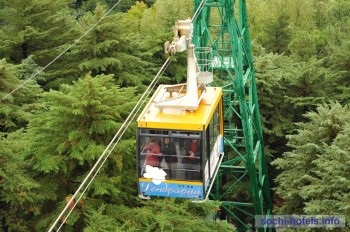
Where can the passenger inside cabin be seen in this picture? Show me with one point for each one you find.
(153, 153)
(168, 151)
(191, 160)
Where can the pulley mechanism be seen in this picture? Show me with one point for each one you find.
(187, 96)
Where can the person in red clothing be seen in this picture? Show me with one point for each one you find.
(192, 159)
(194, 149)
(153, 153)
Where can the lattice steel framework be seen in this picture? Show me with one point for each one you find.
(242, 184)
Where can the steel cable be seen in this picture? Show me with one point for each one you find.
(98, 165)
(199, 9)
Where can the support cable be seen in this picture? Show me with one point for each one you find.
(199, 9)
(61, 54)
(106, 153)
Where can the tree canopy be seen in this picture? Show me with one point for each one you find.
(314, 176)
(70, 74)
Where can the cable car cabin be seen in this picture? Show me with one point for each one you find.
(179, 151)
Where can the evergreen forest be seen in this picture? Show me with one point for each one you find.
(66, 87)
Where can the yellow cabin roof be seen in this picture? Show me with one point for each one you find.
(173, 119)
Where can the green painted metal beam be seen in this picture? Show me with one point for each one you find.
(242, 182)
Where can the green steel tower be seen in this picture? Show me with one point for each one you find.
(242, 184)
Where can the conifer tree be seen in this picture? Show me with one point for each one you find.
(339, 49)
(314, 178)
(280, 34)
(274, 72)
(15, 107)
(40, 28)
(158, 215)
(308, 87)
(19, 192)
(108, 50)
(287, 90)
(329, 192)
(67, 136)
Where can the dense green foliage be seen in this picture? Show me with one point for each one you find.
(315, 175)
(59, 121)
